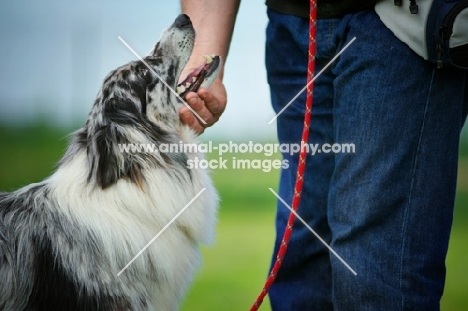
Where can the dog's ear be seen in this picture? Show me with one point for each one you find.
(108, 160)
(105, 161)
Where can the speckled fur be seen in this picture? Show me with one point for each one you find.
(63, 240)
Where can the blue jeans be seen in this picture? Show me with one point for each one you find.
(387, 208)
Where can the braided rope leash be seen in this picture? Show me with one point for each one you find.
(302, 157)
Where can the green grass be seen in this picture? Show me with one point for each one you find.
(235, 267)
(464, 144)
(29, 154)
(455, 295)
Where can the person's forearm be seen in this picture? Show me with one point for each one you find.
(213, 21)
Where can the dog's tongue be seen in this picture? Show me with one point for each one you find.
(194, 80)
(194, 74)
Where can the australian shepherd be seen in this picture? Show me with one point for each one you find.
(64, 240)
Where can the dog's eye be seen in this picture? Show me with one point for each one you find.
(143, 71)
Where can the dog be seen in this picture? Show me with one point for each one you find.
(64, 240)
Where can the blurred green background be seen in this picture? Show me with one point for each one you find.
(235, 267)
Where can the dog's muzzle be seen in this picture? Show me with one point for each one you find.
(196, 78)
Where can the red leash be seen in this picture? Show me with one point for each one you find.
(302, 157)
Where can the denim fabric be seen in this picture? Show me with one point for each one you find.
(386, 209)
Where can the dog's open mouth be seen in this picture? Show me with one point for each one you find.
(195, 79)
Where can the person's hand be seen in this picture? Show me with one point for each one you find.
(209, 104)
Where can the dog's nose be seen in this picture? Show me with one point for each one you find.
(182, 20)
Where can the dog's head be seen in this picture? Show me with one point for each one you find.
(138, 103)
(148, 88)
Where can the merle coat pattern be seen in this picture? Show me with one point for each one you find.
(63, 240)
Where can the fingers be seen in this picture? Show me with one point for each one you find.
(199, 105)
(189, 118)
(199, 116)
(211, 103)
(207, 105)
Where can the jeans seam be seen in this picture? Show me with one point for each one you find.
(413, 174)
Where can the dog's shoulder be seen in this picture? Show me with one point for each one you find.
(22, 205)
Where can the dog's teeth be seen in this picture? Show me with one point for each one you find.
(208, 59)
(180, 89)
(194, 79)
(187, 85)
